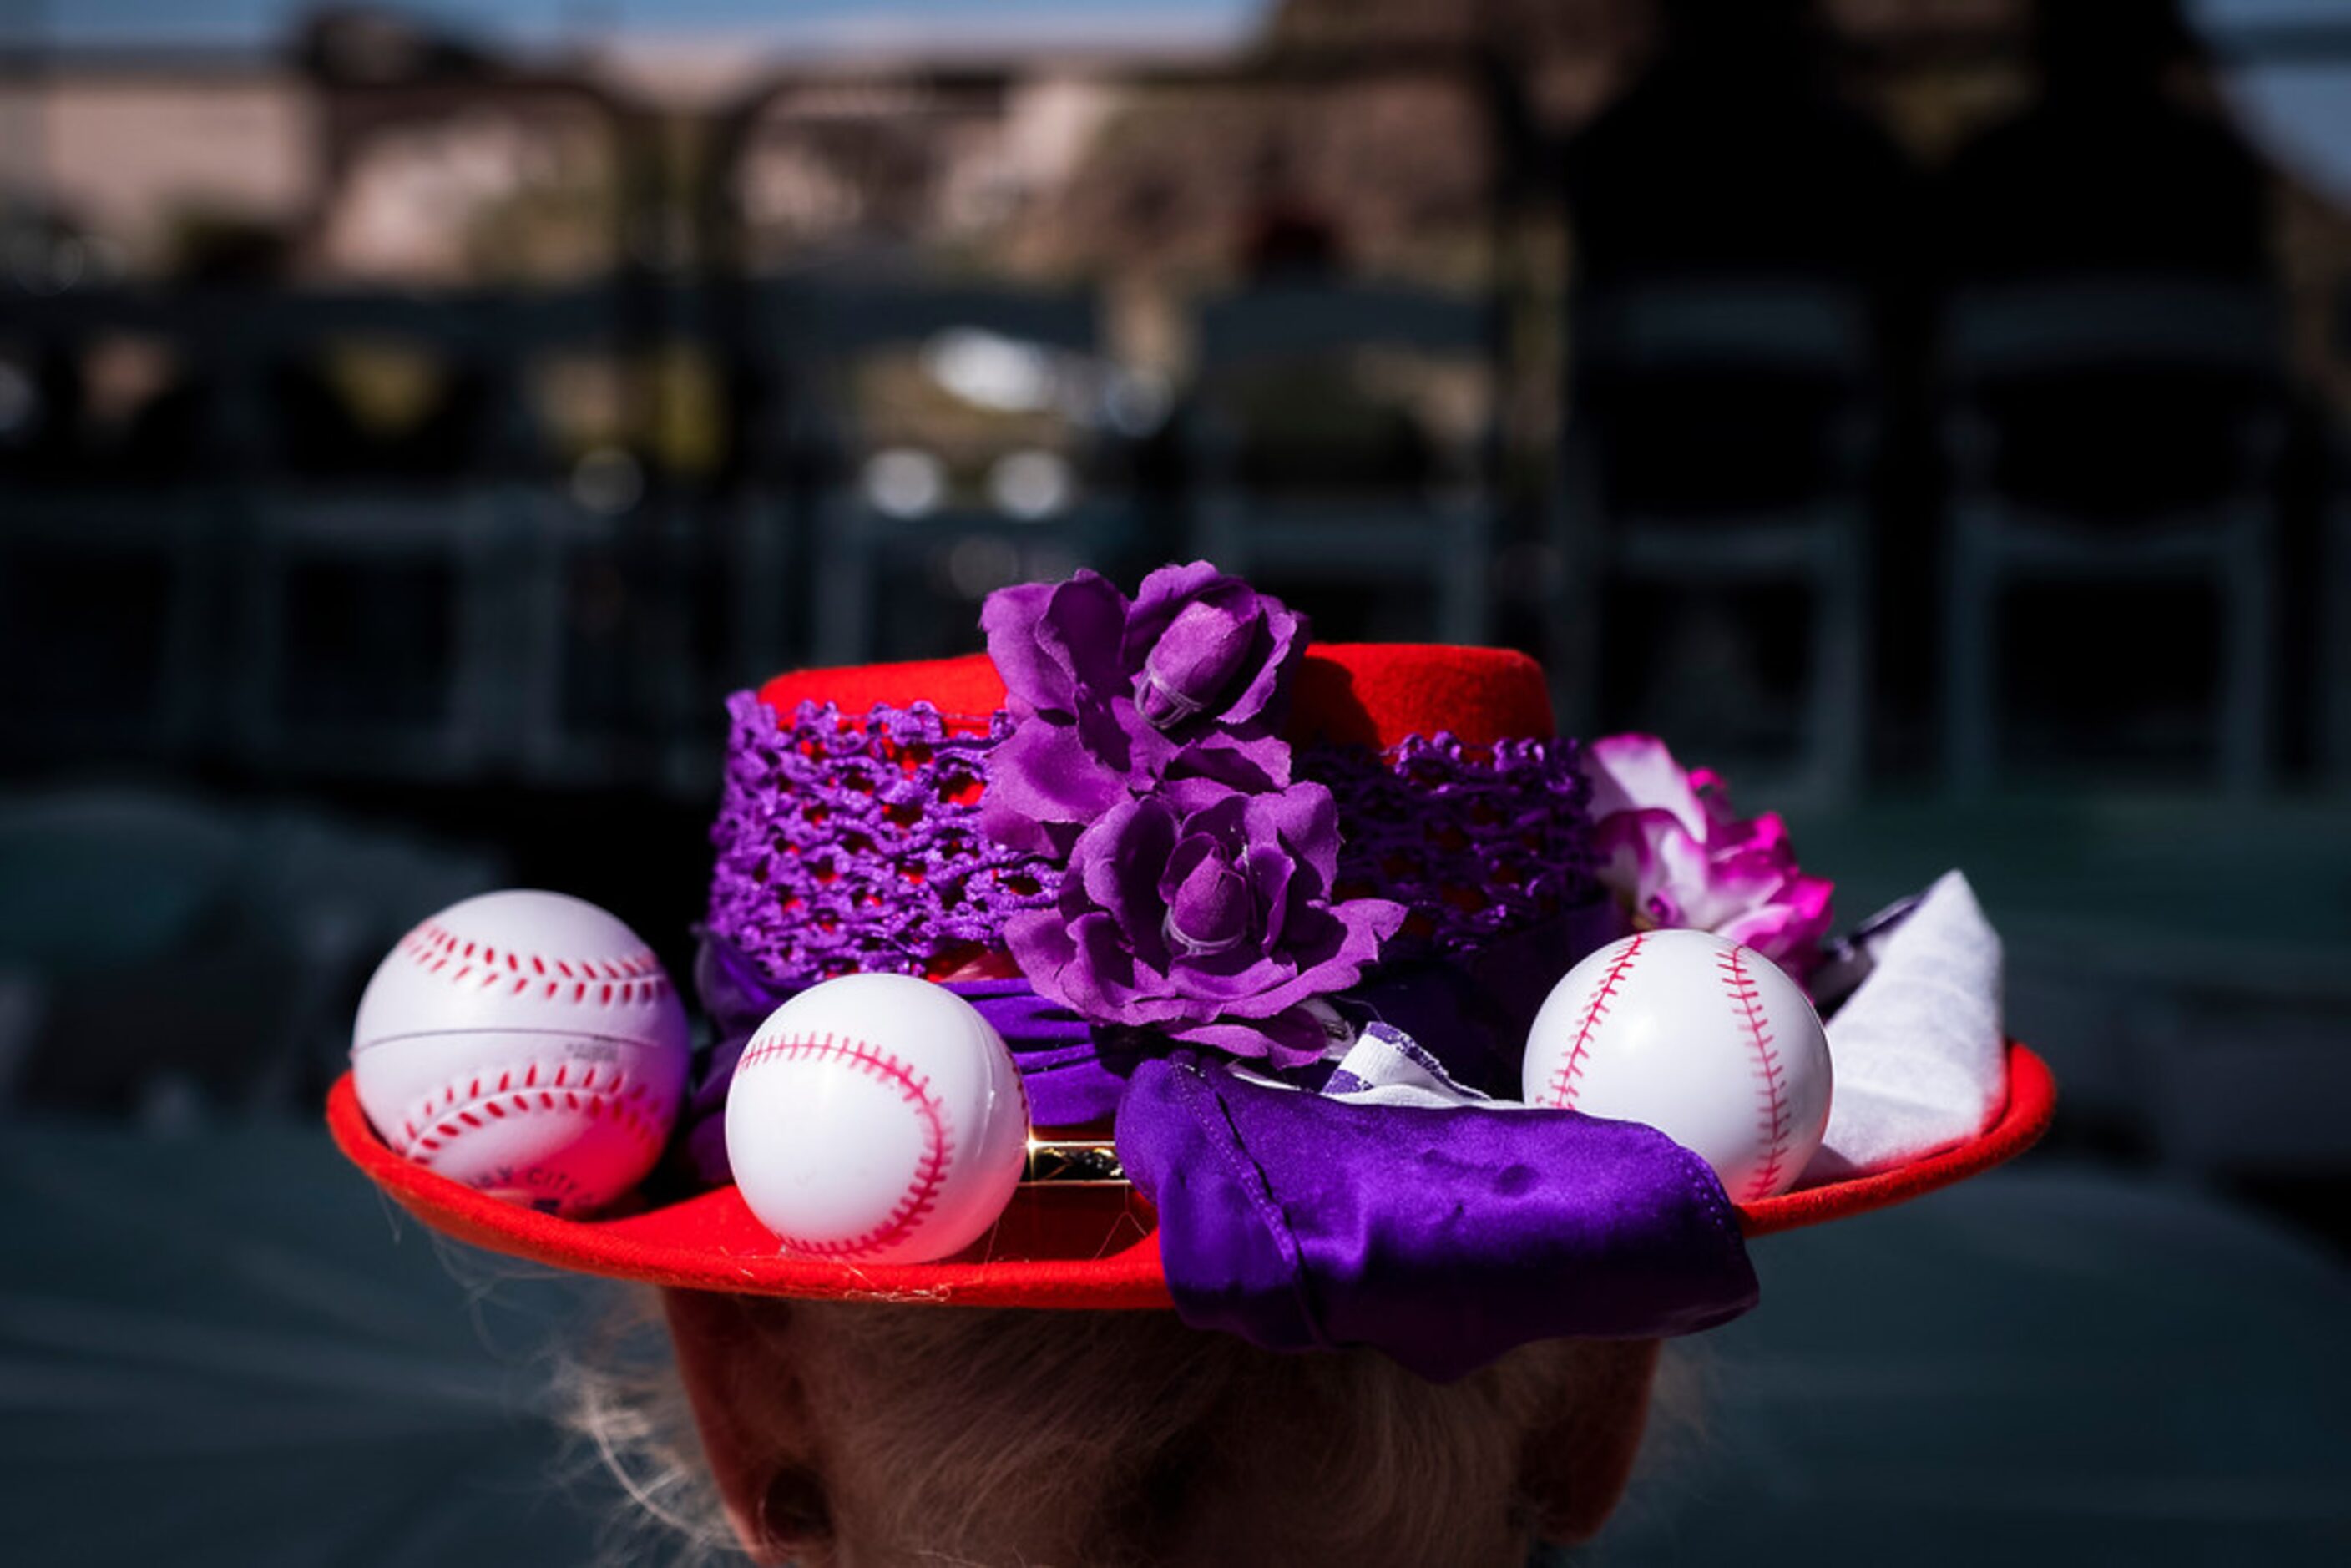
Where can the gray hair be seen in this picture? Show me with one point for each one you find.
(979, 1437)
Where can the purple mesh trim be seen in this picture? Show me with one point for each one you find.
(850, 845)
(1476, 841)
(847, 843)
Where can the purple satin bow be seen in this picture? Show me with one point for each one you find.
(1444, 1238)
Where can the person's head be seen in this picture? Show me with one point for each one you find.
(849, 1434)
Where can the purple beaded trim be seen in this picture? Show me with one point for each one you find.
(1476, 841)
(850, 843)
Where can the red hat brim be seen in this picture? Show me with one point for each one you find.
(1078, 1247)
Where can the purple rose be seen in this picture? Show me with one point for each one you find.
(1208, 652)
(1186, 680)
(1206, 912)
(1670, 846)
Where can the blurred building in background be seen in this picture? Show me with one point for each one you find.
(1930, 413)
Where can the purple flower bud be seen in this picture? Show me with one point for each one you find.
(1193, 662)
(1210, 913)
(1187, 679)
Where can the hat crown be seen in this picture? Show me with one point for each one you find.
(1347, 693)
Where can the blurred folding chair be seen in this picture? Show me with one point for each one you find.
(2334, 683)
(815, 339)
(110, 607)
(111, 590)
(781, 457)
(381, 635)
(1440, 538)
(384, 615)
(2331, 688)
(604, 680)
(591, 593)
(1809, 527)
(2153, 331)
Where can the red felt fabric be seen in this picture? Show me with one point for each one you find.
(1376, 694)
(1352, 694)
(966, 688)
(1071, 1248)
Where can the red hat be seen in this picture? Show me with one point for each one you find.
(1089, 1247)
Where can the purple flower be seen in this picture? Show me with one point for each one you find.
(1669, 845)
(1204, 912)
(1186, 680)
(1207, 653)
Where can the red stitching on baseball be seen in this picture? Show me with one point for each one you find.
(1775, 1113)
(634, 976)
(930, 1174)
(619, 1098)
(1565, 1082)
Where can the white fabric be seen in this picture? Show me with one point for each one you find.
(1918, 1048)
(1387, 1067)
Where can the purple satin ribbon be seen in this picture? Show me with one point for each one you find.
(1442, 1236)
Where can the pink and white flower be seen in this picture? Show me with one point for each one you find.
(1669, 845)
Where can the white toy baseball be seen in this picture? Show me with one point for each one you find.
(1708, 1042)
(524, 1044)
(876, 1119)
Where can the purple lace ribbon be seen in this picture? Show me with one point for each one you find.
(853, 842)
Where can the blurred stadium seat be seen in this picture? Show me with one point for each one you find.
(2113, 430)
(1266, 506)
(1725, 432)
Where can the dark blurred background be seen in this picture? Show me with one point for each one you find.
(413, 422)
